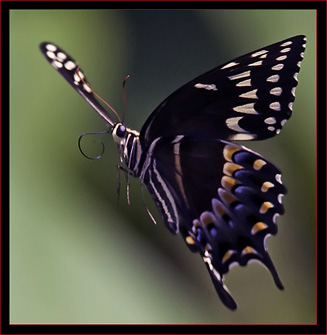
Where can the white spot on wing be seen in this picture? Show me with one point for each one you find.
(246, 109)
(51, 55)
(51, 47)
(56, 64)
(281, 58)
(285, 50)
(81, 74)
(274, 219)
(276, 91)
(283, 122)
(244, 83)
(278, 178)
(76, 78)
(240, 75)
(232, 123)
(258, 63)
(275, 106)
(273, 79)
(259, 53)
(285, 44)
(229, 65)
(270, 120)
(61, 56)
(209, 87)
(69, 65)
(250, 95)
(242, 137)
(277, 67)
(86, 88)
(268, 235)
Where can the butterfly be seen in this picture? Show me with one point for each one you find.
(223, 198)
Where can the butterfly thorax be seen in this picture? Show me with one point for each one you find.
(129, 148)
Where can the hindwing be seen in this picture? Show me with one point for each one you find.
(223, 198)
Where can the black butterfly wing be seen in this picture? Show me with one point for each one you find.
(248, 98)
(223, 198)
(67, 67)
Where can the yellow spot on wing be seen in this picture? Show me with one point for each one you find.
(218, 207)
(226, 197)
(265, 206)
(229, 151)
(266, 186)
(228, 255)
(248, 250)
(189, 240)
(207, 218)
(228, 183)
(258, 227)
(230, 168)
(258, 164)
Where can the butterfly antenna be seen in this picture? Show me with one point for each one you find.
(92, 133)
(124, 95)
(97, 95)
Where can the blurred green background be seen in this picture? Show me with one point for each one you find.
(77, 255)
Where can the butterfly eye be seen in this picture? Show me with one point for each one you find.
(121, 131)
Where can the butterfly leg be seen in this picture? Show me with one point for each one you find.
(127, 174)
(118, 168)
(146, 207)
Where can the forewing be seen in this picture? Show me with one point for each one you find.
(67, 67)
(223, 198)
(248, 98)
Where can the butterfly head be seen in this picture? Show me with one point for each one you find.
(119, 133)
